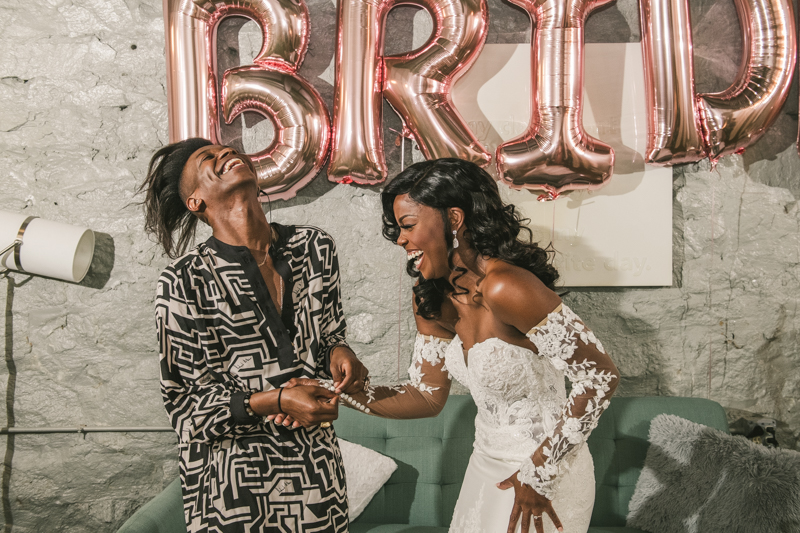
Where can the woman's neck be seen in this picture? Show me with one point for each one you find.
(243, 224)
(470, 260)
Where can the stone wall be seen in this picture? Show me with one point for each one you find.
(84, 107)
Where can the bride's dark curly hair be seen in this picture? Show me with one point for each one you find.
(492, 228)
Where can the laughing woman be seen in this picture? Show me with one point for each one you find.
(487, 314)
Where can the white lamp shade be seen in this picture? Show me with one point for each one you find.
(51, 249)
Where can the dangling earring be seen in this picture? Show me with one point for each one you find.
(455, 240)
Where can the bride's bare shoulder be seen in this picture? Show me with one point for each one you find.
(516, 296)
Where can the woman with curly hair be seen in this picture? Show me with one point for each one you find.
(487, 314)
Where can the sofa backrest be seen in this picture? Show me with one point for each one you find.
(619, 445)
(431, 456)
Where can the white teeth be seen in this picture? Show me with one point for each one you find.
(227, 167)
(416, 254)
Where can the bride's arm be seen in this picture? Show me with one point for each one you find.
(572, 348)
(426, 391)
(423, 394)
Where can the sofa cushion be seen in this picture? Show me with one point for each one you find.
(619, 445)
(614, 530)
(700, 479)
(394, 528)
(432, 457)
(366, 472)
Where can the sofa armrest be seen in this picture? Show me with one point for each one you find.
(162, 514)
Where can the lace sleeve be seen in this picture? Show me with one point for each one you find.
(572, 348)
(425, 392)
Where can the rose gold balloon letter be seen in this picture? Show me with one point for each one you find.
(556, 154)
(738, 116)
(674, 133)
(271, 87)
(417, 85)
(685, 127)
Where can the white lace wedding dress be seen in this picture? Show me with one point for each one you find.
(522, 404)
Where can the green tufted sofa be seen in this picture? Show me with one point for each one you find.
(432, 456)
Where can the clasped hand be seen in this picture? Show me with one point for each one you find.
(528, 503)
(307, 405)
(349, 376)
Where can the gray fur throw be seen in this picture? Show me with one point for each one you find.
(700, 480)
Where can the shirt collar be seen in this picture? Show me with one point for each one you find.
(230, 252)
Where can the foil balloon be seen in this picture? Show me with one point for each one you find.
(417, 85)
(270, 87)
(674, 134)
(737, 117)
(555, 154)
(301, 140)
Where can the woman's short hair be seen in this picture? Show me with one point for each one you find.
(166, 214)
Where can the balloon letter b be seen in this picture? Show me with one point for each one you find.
(555, 154)
(417, 85)
(270, 87)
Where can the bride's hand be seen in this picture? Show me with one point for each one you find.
(527, 503)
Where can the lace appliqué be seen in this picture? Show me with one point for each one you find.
(470, 522)
(558, 340)
(426, 348)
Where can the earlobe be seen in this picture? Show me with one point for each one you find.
(195, 205)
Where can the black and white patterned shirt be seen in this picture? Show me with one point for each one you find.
(221, 338)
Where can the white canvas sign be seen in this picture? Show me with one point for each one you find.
(620, 235)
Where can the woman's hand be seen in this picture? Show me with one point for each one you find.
(349, 374)
(284, 419)
(307, 406)
(527, 503)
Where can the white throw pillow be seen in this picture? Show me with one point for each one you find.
(366, 472)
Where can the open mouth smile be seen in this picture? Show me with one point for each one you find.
(417, 255)
(231, 164)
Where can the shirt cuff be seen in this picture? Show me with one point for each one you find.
(239, 410)
(326, 356)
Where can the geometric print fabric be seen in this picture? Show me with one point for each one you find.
(221, 338)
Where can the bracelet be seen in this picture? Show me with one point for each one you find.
(247, 405)
(280, 391)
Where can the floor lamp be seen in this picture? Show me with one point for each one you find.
(45, 248)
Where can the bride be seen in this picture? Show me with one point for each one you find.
(487, 315)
